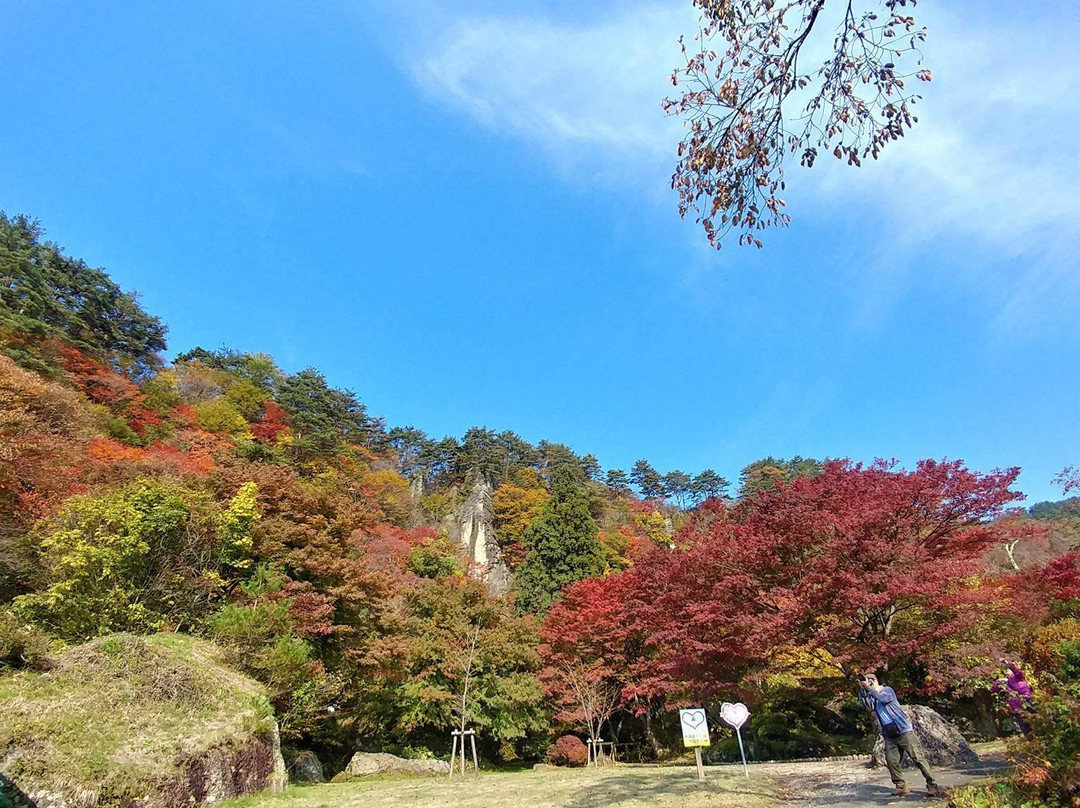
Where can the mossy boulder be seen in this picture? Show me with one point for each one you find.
(155, 721)
(379, 764)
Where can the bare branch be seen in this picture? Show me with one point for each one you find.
(738, 130)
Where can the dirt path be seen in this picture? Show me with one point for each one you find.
(850, 784)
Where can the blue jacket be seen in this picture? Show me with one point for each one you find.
(887, 707)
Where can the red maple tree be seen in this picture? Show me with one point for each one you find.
(863, 567)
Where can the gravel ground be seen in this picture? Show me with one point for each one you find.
(850, 784)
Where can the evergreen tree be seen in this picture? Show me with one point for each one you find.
(324, 417)
(439, 460)
(764, 474)
(563, 546)
(483, 453)
(44, 292)
(592, 467)
(410, 445)
(678, 484)
(518, 453)
(259, 369)
(557, 458)
(648, 480)
(709, 485)
(617, 482)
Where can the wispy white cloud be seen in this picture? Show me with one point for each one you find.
(587, 94)
(995, 152)
(994, 159)
(993, 165)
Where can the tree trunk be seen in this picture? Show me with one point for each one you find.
(650, 736)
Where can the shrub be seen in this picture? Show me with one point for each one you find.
(1048, 770)
(568, 751)
(999, 795)
(21, 646)
(435, 559)
(149, 555)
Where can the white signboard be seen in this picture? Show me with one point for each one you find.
(695, 729)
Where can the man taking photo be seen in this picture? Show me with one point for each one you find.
(898, 733)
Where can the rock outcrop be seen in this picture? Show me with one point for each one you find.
(156, 722)
(944, 744)
(306, 768)
(373, 764)
(475, 531)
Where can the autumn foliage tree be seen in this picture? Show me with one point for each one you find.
(589, 652)
(44, 432)
(454, 656)
(868, 566)
(141, 558)
(858, 567)
(514, 508)
(753, 95)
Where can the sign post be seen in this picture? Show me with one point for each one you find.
(735, 715)
(695, 733)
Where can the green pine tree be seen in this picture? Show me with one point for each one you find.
(563, 546)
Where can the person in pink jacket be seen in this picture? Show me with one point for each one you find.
(1016, 687)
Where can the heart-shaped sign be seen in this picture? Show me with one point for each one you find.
(693, 718)
(695, 729)
(734, 714)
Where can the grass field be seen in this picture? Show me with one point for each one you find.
(577, 788)
(837, 784)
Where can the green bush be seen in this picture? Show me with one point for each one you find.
(258, 635)
(140, 558)
(999, 795)
(258, 452)
(436, 559)
(119, 430)
(1048, 764)
(21, 645)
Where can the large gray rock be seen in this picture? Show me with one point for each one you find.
(373, 764)
(306, 768)
(474, 529)
(943, 743)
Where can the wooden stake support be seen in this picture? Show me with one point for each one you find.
(601, 753)
(457, 749)
(700, 765)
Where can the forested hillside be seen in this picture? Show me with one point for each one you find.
(363, 571)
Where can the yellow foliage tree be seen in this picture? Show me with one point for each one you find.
(654, 525)
(391, 491)
(514, 508)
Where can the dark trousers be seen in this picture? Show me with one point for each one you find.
(908, 742)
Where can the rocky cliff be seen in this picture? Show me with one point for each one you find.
(474, 530)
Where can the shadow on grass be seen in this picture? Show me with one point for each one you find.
(621, 789)
(11, 796)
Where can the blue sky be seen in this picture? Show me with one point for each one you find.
(461, 210)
